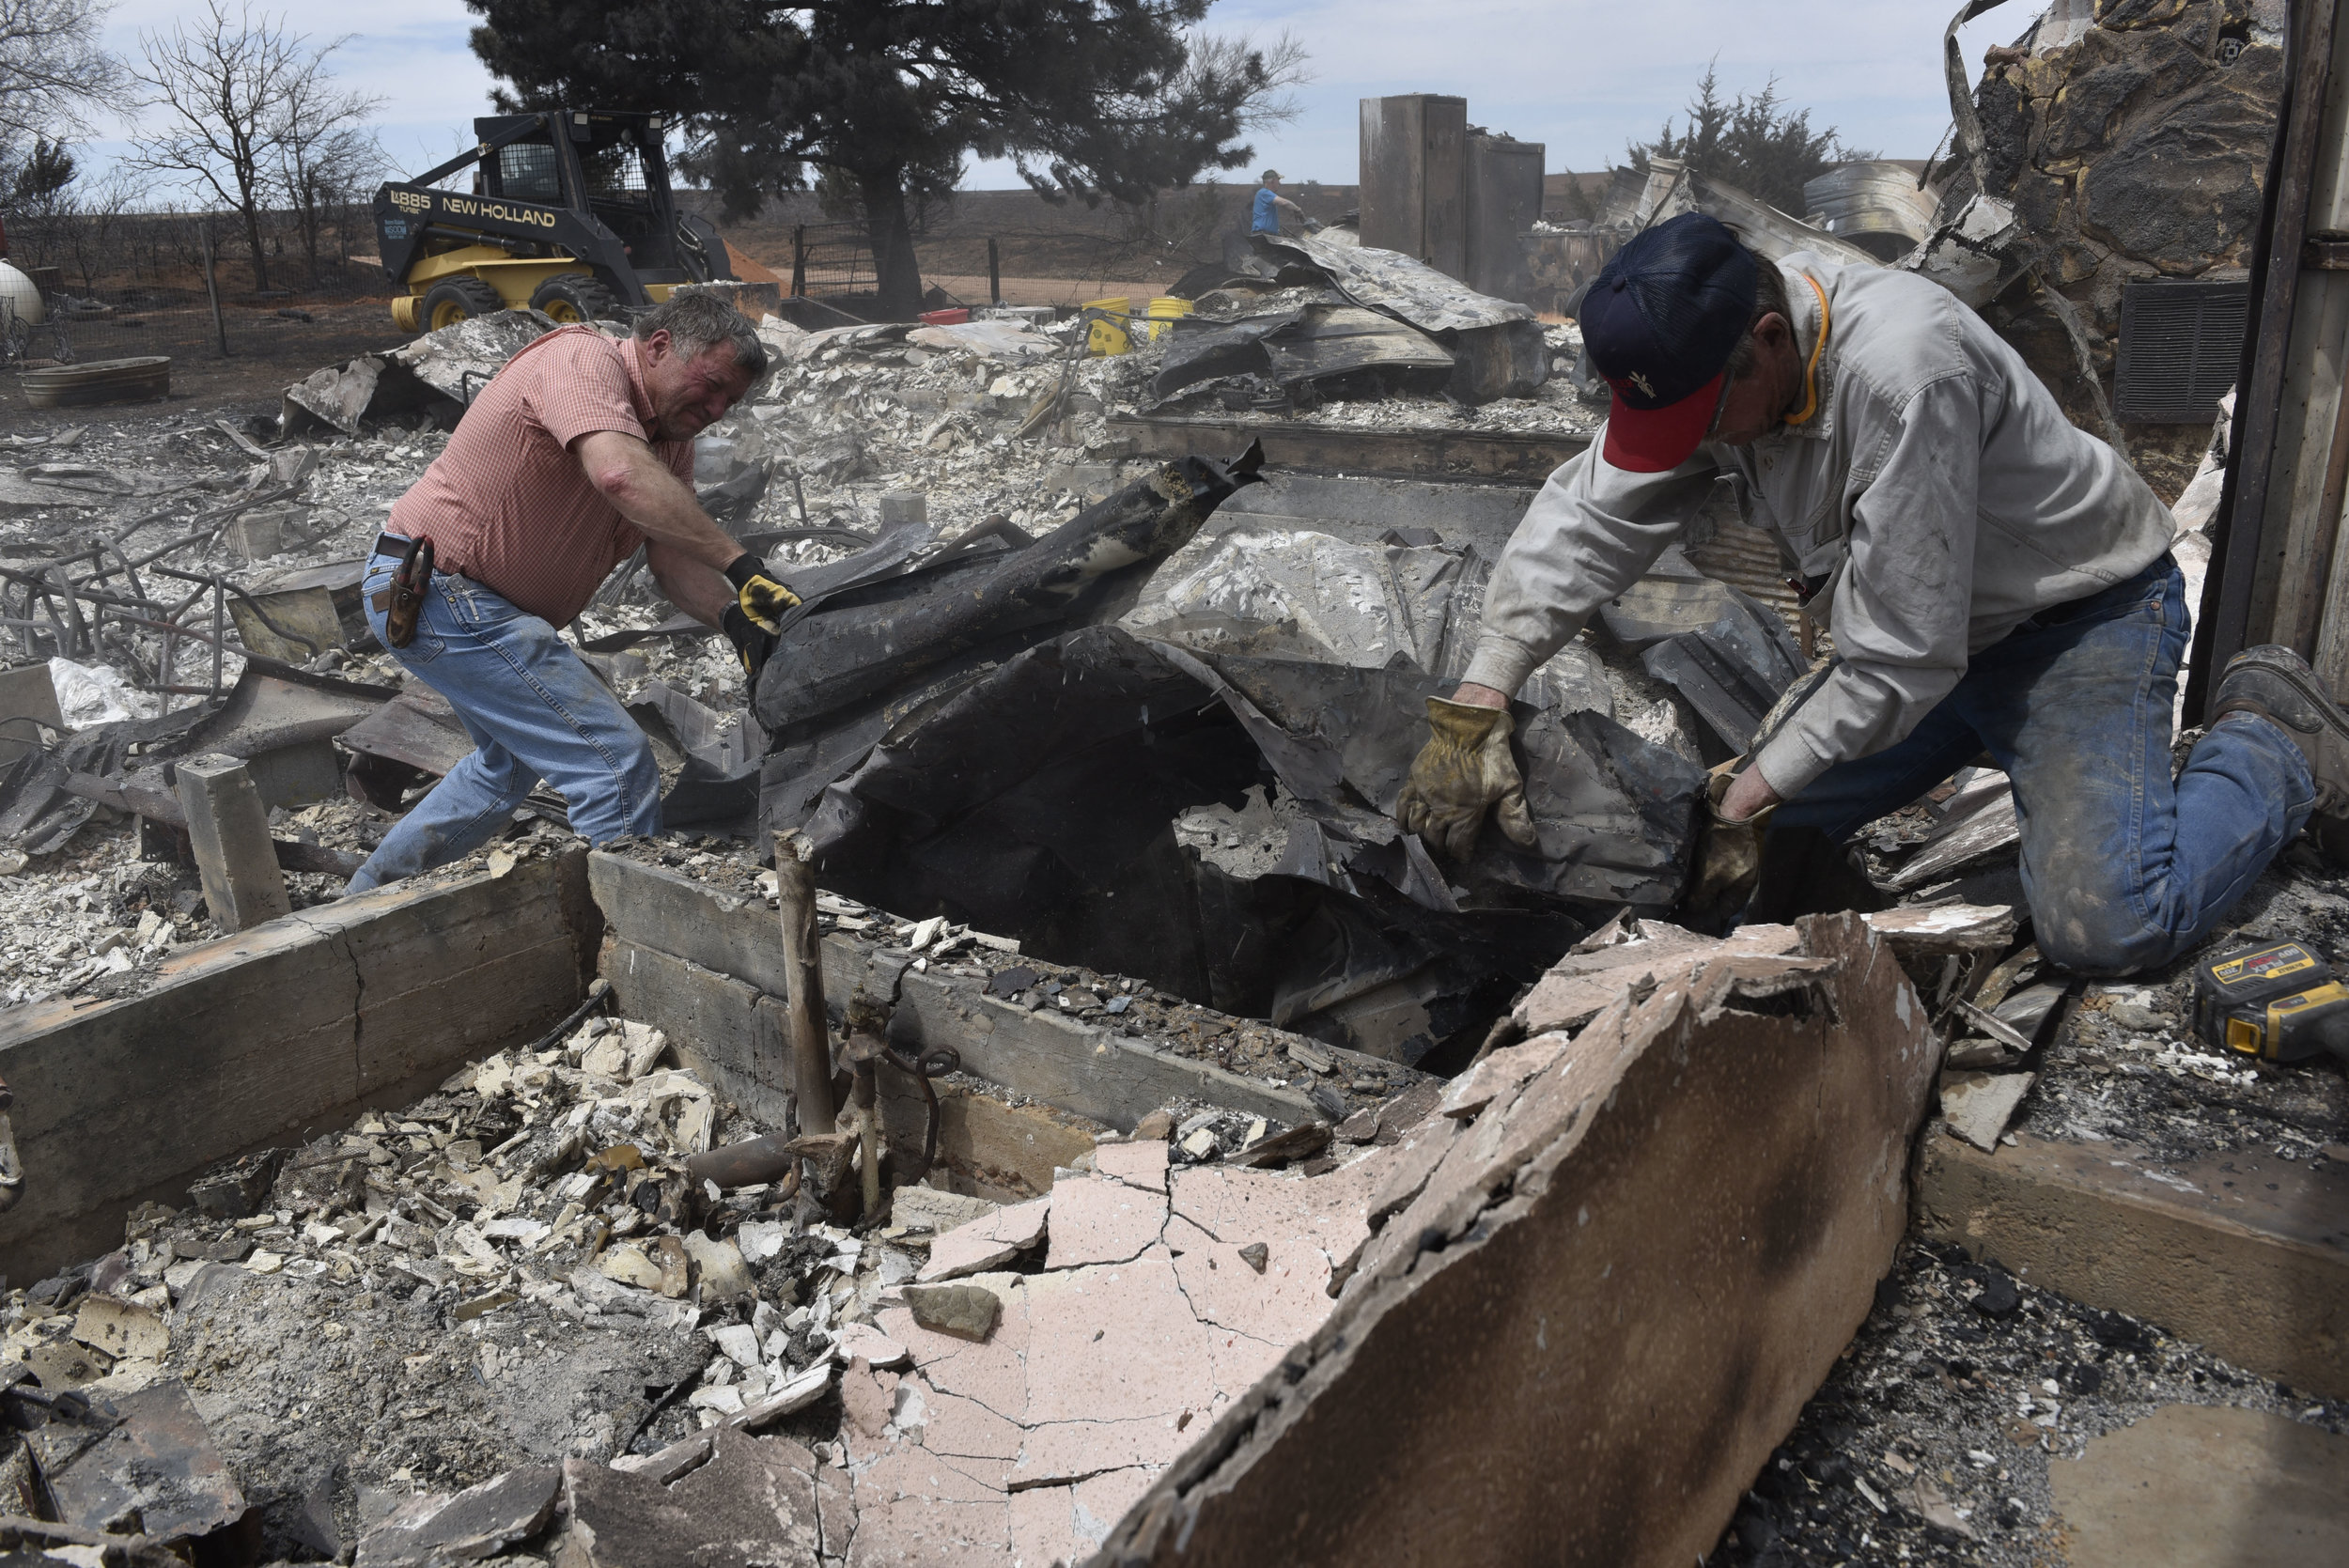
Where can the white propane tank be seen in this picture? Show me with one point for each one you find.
(23, 299)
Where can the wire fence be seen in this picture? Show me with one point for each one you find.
(832, 258)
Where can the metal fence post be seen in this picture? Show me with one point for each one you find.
(204, 235)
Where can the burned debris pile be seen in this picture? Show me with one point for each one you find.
(546, 1296)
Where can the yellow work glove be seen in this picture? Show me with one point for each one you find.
(760, 593)
(1464, 768)
(1729, 857)
(751, 644)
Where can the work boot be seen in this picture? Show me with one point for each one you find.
(2277, 685)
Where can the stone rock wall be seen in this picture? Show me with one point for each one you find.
(2136, 149)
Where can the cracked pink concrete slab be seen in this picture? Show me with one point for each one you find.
(1280, 1306)
(1097, 1220)
(966, 1429)
(1100, 1503)
(1138, 1164)
(1239, 1206)
(1144, 1324)
(1044, 1528)
(914, 1531)
(1062, 1452)
(987, 1243)
(1112, 1342)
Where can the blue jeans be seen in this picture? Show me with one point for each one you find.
(2124, 870)
(534, 712)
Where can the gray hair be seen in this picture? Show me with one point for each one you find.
(1769, 298)
(698, 321)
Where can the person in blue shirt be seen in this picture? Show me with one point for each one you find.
(1267, 219)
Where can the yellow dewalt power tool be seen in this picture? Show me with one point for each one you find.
(2279, 1003)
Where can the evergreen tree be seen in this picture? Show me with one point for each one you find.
(1757, 144)
(884, 98)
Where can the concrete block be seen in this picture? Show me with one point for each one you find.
(2192, 1485)
(228, 831)
(2243, 1253)
(1593, 1313)
(267, 531)
(903, 506)
(298, 774)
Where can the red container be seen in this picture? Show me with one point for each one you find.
(944, 318)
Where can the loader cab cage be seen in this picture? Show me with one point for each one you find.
(610, 165)
(564, 210)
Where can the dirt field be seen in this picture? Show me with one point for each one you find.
(266, 349)
(1048, 254)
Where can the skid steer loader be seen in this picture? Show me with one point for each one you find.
(569, 213)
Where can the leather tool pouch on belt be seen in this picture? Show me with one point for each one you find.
(403, 601)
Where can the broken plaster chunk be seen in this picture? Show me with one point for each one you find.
(629, 1265)
(988, 1243)
(1978, 1105)
(761, 1239)
(121, 1330)
(1199, 1144)
(669, 1254)
(793, 1397)
(861, 1340)
(966, 1312)
(1159, 1124)
(717, 1265)
(606, 1058)
(645, 1047)
(738, 1343)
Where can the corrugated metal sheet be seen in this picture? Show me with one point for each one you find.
(1746, 558)
(1877, 205)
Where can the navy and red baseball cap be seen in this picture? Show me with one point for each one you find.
(1659, 322)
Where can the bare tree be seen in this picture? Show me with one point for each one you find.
(222, 91)
(51, 66)
(324, 151)
(98, 210)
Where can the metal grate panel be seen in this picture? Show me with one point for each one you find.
(2181, 345)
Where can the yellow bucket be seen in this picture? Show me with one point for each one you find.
(1107, 334)
(1165, 310)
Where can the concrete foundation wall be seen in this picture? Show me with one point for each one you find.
(271, 1035)
(1593, 1311)
(706, 969)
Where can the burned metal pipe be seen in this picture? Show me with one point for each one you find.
(921, 1068)
(750, 1163)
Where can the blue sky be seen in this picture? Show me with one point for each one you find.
(1579, 76)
